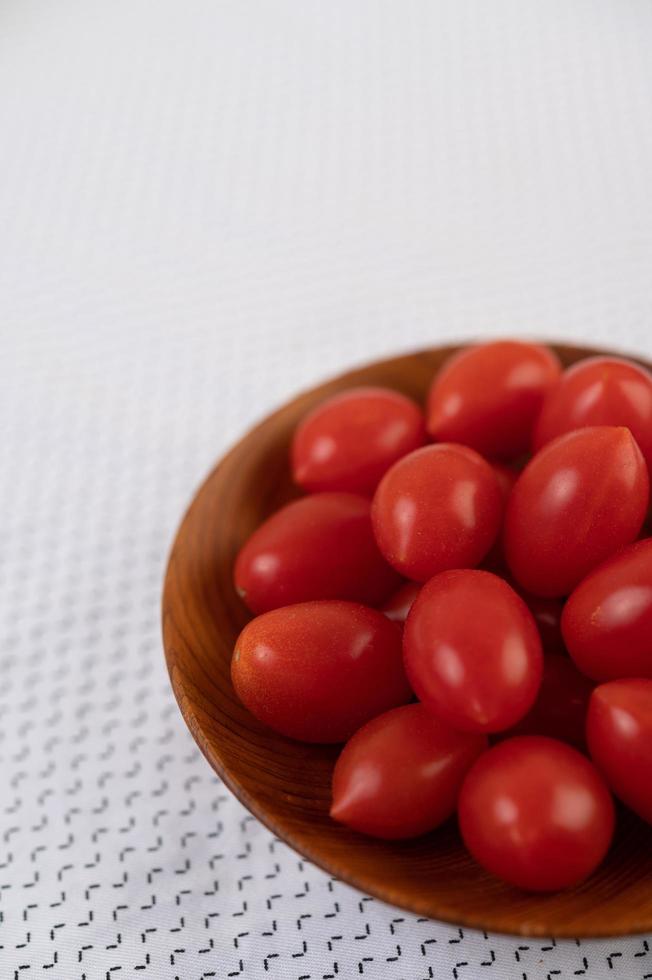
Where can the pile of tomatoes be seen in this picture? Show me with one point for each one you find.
(420, 604)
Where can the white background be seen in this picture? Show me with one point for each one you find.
(204, 207)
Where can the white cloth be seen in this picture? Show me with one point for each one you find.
(205, 206)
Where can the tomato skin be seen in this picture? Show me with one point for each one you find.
(536, 813)
(350, 440)
(488, 397)
(619, 732)
(506, 477)
(319, 547)
(599, 391)
(607, 620)
(495, 559)
(440, 507)
(398, 605)
(472, 652)
(561, 705)
(580, 499)
(401, 773)
(317, 671)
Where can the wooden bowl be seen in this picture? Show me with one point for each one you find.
(287, 784)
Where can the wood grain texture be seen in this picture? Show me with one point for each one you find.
(287, 784)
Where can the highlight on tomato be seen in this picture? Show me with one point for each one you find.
(536, 813)
(619, 732)
(351, 439)
(607, 620)
(472, 651)
(317, 671)
(488, 397)
(400, 774)
(599, 391)
(579, 500)
(440, 507)
(319, 547)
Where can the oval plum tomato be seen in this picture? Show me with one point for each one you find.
(319, 547)
(350, 440)
(400, 774)
(317, 671)
(472, 651)
(599, 391)
(547, 615)
(580, 499)
(440, 507)
(488, 397)
(619, 732)
(607, 621)
(398, 606)
(561, 705)
(536, 813)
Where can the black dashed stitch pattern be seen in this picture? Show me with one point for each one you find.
(121, 853)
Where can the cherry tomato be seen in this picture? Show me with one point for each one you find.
(547, 615)
(619, 732)
(579, 499)
(320, 547)
(350, 440)
(607, 621)
(472, 651)
(537, 813)
(440, 507)
(398, 606)
(561, 705)
(317, 671)
(488, 397)
(599, 391)
(400, 774)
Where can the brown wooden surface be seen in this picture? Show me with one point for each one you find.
(287, 784)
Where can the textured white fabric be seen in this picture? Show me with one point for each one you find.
(205, 206)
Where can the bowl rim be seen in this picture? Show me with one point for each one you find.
(207, 747)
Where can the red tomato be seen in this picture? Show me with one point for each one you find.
(547, 615)
(537, 813)
(619, 732)
(580, 499)
(472, 651)
(350, 440)
(561, 705)
(488, 397)
(495, 559)
(317, 671)
(607, 621)
(400, 774)
(398, 606)
(599, 391)
(320, 547)
(506, 477)
(440, 507)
